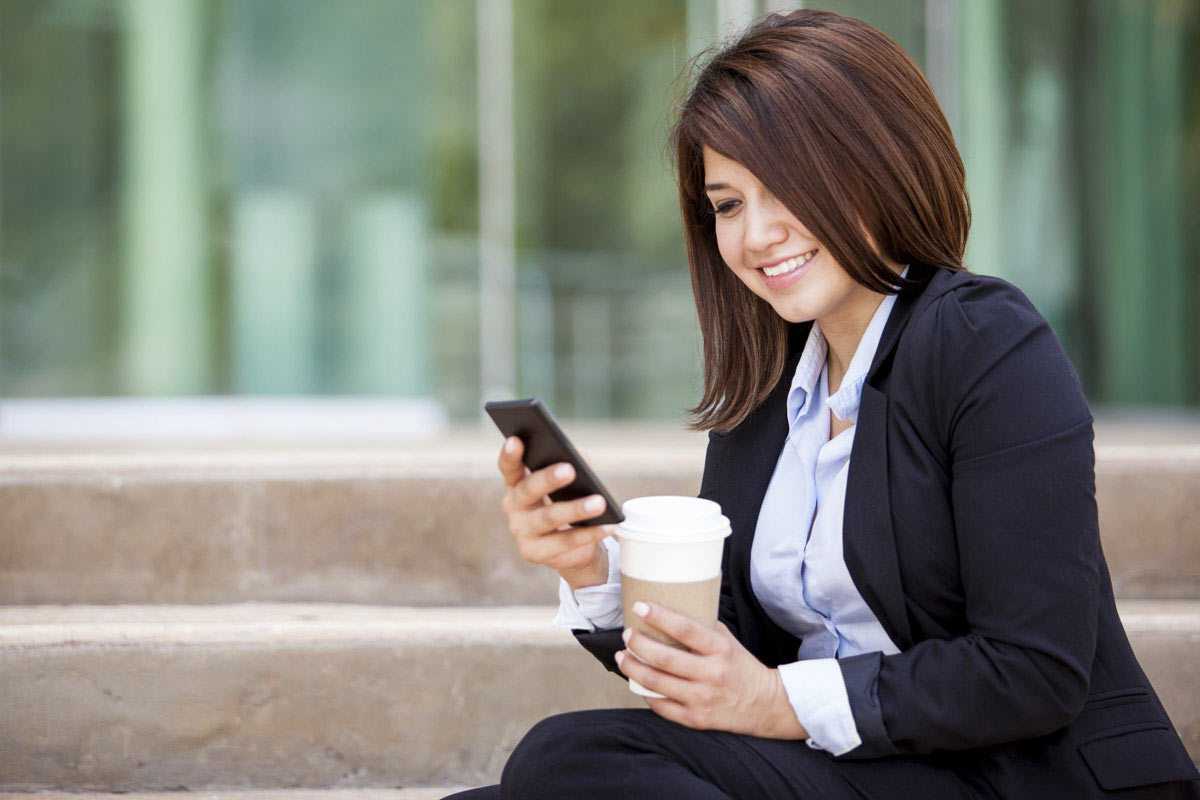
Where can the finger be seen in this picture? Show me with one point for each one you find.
(510, 460)
(530, 491)
(682, 629)
(664, 657)
(670, 709)
(575, 557)
(552, 545)
(655, 680)
(553, 517)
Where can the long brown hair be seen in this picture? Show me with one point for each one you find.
(836, 120)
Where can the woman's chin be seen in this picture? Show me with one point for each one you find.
(793, 312)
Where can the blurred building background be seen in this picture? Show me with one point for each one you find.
(464, 199)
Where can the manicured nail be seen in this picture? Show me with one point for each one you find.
(625, 636)
(620, 656)
(594, 503)
(641, 609)
(510, 445)
(563, 472)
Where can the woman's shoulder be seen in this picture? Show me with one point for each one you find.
(966, 301)
(964, 316)
(977, 343)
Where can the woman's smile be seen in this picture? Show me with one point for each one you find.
(786, 273)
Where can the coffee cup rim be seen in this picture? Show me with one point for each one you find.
(688, 537)
(655, 519)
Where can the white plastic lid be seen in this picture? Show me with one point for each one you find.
(667, 518)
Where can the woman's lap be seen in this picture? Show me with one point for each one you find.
(482, 793)
(634, 753)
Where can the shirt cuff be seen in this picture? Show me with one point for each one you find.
(593, 607)
(817, 693)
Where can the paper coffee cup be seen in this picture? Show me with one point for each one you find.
(671, 554)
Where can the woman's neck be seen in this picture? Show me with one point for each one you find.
(844, 328)
(843, 334)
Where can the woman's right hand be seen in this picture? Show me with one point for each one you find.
(539, 526)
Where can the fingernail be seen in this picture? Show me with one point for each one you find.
(594, 503)
(563, 472)
(641, 609)
(510, 445)
(609, 530)
(625, 636)
(620, 656)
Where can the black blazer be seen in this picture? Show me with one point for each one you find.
(970, 530)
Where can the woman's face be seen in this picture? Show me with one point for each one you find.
(758, 236)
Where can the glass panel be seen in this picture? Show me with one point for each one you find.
(59, 198)
(282, 196)
(607, 326)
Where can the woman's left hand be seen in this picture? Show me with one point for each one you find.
(720, 685)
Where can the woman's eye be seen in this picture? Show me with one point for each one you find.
(724, 207)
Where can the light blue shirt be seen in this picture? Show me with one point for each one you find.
(797, 571)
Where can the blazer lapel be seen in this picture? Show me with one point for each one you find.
(868, 538)
(902, 309)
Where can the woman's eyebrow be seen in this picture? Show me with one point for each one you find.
(708, 187)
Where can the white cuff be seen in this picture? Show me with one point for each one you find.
(817, 692)
(593, 607)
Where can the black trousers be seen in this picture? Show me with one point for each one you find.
(634, 753)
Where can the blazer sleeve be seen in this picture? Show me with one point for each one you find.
(1005, 400)
(604, 644)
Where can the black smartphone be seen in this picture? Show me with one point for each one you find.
(546, 444)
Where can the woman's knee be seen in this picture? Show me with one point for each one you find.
(556, 753)
(533, 763)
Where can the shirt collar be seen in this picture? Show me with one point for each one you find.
(845, 401)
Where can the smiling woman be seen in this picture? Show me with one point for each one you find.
(913, 598)
(752, 230)
(826, 120)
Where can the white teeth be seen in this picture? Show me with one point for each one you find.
(787, 266)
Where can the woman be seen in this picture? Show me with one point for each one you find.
(914, 602)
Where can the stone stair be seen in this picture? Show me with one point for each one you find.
(356, 624)
(128, 698)
(425, 793)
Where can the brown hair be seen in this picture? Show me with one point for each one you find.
(835, 119)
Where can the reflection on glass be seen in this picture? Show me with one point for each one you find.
(281, 197)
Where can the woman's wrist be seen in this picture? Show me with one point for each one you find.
(781, 721)
(595, 574)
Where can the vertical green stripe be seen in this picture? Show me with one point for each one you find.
(984, 133)
(1143, 323)
(166, 330)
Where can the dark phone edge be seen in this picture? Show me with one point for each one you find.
(582, 468)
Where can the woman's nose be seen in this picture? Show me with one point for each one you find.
(765, 227)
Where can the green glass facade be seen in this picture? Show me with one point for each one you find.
(287, 197)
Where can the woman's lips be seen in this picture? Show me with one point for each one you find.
(783, 281)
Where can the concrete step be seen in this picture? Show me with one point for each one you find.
(149, 698)
(1149, 507)
(406, 525)
(417, 525)
(412, 793)
(129, 698)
